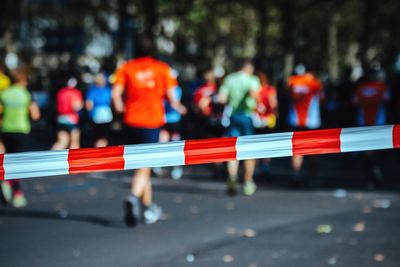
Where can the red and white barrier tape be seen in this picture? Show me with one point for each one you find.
(85, 160)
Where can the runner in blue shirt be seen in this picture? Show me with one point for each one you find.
(98, 104)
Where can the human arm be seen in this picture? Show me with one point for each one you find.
(117, 99)
(89, 105)
(117, 90)
(77, 103)
(175, 103)
(273, 102)
(34, 111)
(223, 92)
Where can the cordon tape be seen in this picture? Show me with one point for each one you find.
(86, 160)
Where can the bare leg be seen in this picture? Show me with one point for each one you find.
(233, 168)
(102, 142)
(141, 194)
(140, 180)
(147, 197)
(297, 163)
(249, 167)
(75, 138)
(164, 136)
(175, 137)
(2, 148)
(62, 141)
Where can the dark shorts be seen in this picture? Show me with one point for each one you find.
(240, 125)
(265, 130)
(100, 130)
(67, 127)
(135, 135)
(173, 127)
(15, 142)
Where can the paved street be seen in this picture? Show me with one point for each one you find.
(76, 221)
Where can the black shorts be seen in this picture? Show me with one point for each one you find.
(173, 127)
(134, 135)
(265, 130)
(16, 142)
(100, 130)
(67, 127)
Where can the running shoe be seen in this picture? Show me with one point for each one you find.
(249, 188)
(158, 171)
(177, 173)
(152, 214)
(19, 200)
(133, 211)
(231, 189)
(7, 191)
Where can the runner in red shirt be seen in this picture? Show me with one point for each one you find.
(265, 116)
(145, 82)
(203, 95)
(267, 106)
(69, 103)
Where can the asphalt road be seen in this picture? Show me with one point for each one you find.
(77, 221)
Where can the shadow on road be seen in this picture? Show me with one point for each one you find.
(61, 216)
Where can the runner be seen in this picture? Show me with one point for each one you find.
(98, 104)
(208, 109)
(370, 97)
(265, 115)
(267, 105)
(69, 103)
(209, 116)
(4, 84)
(145, 82)
(17, 107)
(171, 131)
(240, 91)
(305, 91)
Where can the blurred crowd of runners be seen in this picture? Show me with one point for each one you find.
(143, 101)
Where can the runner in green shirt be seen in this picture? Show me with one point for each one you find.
(15, 102)
(240, 91)
(17, 108)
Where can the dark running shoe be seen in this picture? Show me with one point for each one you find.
(231, 186)
(133, 211)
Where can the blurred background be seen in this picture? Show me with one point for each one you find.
(337, 40)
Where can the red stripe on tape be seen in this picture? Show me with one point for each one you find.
(396, 136)
(96, 159)
(1, 167)
(210, 150)
(316, 142)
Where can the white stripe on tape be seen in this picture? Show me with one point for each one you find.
(366, 138)
(264, 146)
(35, 164)
(154, 155)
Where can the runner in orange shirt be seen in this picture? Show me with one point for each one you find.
(305, 90)
(140, 88)
(370, 97)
